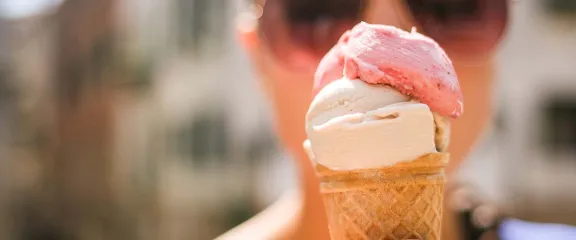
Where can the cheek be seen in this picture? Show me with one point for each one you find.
(290, 94)
(291, 98)
(476, 85)
(289, 91)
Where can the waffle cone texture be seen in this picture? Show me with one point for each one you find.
(402, 201)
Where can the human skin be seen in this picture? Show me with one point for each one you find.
(289, 93)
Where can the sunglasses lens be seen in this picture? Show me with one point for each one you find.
(300, 32)
(464, 26)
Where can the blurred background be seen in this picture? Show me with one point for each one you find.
(114, 124)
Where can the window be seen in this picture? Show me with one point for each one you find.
(191, 21)
(202, 25)
(261, 147)
(205, 139)
(500, 121)
(6, 77)
(559, 131)
(561, 6)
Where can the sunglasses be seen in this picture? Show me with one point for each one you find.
(297, 30)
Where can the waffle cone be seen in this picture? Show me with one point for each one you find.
(403, 201)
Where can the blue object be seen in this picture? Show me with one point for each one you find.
(513, 229)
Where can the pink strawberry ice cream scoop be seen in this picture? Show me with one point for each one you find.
(410, 62)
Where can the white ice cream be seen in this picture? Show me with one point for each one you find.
(355, 125)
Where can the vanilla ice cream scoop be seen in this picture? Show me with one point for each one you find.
(355, 125)
(345, 96)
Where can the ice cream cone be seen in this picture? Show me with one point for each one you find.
(402, 201)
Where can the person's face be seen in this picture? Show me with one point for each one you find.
(285, 53)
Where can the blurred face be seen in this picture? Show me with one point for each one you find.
(291, 36)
